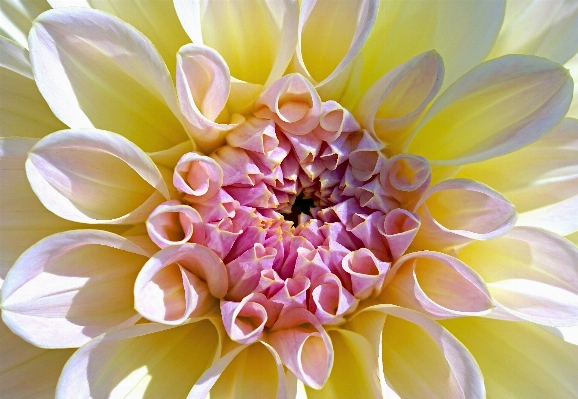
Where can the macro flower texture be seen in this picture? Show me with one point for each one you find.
(289, 199)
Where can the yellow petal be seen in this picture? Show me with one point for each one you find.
(16, 18)
(541, 179)
(496, 108)
(572, 65)
(519, 359)
(547, 29)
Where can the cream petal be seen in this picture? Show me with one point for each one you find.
(259, 40)
(179, 281)
(572, 65)
(541, 179)
(23, 219)
(544, 28)
(306, 351)
(16, 18)
(145, 360)
(462, 32)
(391, 106)
(354, 373)
(421, 359)
(331, 34)
(519, 359)
(455, 212)
(157, 20)
(496, 108)
(67, 288)
(22, 363)
(253, 371)
(531, 273)
(23, 111)
(87, 62)
(124, 188)
(438, 285)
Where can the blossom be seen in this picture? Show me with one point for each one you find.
(281, 199)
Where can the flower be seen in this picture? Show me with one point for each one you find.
(321, 199)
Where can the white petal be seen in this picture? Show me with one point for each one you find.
(87, 63)
(16, 18)
(572, 65)
(68, 288)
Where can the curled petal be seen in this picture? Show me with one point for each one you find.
(395, 102)
(307, 350)
(366, 159)
(334, 120)
(124, 188)
(81, 56)
(198, 176)
(237, 167)
(221, 236)
(172, 224)
(257, 135)
(367, 273)
(293, 103)
(218, 207)
(293, 294)
(458, 211)
(531, 273)
(496, 108)
(68, 288)
(244, 321)
(151, 358)
(405, 177)
(438, 285)
(399, 228)
(179, 281)
(245, 271)
(330, 300)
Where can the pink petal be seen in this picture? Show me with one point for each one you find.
(330, 300)
(172, 223)
(244, 321)
(257, 135)
(367, 273)
(245, 271)
(399, 228)
(198, 176)
(405, 177)
(334, 120)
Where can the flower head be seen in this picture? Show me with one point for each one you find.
(321, 199)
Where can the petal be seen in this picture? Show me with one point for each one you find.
(438, 285)
(572, 65)
(23, 219)
(172, 223)
(244, 321)
(23, 111)
(197, 176)
(68, 288)
(354, 373)
(124, 188)
(530, 272)
(253, 371)
(27, 371)
(399, 228)
(462, 32)
(16, 18)
(421, 359)
(457, 211)
(331, 35)
(173, 284)
(391, 106)
(519, 359)
(541, 179)
(157, 20)
(259, 40)
(496, 108)
(87, 62)
(142, 360)
(546, 29)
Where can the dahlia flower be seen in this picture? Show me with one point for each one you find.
(281, 199)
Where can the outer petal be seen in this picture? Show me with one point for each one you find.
(331, 34)
(87, 63)
(544, 28)
(462, 32)
(16, 18)
(572, 65)
(22, 363)
(259, 40)
(23, 111)
(498, 107)
(157, 20)
(541, 179)
(145, 360)
(519, 359)
(530, 272)
(68, 288)
(253, 371)
(421, 359)
(354, 373)
(23, 219)
(124, 188)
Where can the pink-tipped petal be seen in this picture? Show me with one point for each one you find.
(399, 228)
(257, 135)
(367, 273)
(244, 321)
(405, 177)
(330, 300)
(438, 285)
(245, 271)
(68, 288)
(197, 176)
(334, 120)
(172, 224)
